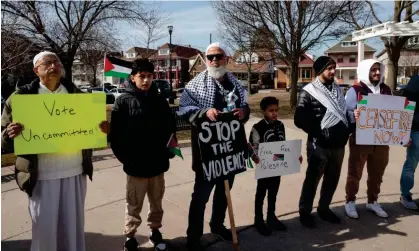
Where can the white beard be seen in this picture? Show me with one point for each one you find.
(217, 72)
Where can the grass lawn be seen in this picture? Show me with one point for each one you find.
(285, 110)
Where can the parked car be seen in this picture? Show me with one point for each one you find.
(344, 88)
(116, 92)
(110, 98)
(300, 86)
(163, 86)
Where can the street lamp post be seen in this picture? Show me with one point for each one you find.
(171, 97)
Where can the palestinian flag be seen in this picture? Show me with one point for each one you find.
(174, 146)
(115, 67)
(277, 157)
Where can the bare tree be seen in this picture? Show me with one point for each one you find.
(236, 37)
(92, 53)
(294, 27)
(63, 26)
(364, 13)
(410, 61)
(155, 22)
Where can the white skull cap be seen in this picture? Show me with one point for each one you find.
(219, 45)
(42, 54)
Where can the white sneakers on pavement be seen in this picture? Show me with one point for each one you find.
(408, 203)
(376, 208)
(350, 209)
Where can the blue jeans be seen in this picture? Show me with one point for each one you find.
(200, 196)
(412, 158)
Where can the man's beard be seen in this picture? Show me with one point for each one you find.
(217, 72)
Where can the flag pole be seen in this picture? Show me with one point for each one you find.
(103, 75)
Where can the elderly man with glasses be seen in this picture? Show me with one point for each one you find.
(55, 182)
(206, 96)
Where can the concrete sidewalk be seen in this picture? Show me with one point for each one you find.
(105, 211)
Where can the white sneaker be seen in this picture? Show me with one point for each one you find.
(350, 209)
(376, 208)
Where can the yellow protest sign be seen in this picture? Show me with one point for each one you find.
(59, 122)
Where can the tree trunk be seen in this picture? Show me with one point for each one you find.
(294, 80)
(391, 78)
(95, 82)
(393, 65)
(68, 71)
(249, 86)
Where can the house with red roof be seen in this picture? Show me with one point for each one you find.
(180, 59)
(305, 72)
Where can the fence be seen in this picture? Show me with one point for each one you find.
(181, 124)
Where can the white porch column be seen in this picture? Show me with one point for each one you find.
(360, 51)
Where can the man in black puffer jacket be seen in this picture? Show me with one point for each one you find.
(141, 125)
(321, 113)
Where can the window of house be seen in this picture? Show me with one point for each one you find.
(352, 59)
(340, 59)
(413, 40)
(348, 44)
(306, 73)
(255, 59)
(131, 55)
(352, 75)
(164, 52)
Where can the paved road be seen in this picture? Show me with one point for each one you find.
(105, 211)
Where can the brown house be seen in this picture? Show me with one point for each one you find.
(345, 53)
(180, 57)
(260, 64)
(138, 52)
(305, 71)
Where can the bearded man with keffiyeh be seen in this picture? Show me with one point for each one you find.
(207, 95)
(321, 112)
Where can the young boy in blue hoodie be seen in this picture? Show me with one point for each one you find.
(269, 129)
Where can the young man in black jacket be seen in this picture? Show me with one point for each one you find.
(321, 113)
(141, 126)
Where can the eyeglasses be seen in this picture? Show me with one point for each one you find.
(215, 56)
(49, 63)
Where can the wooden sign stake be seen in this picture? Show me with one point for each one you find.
(231, 216)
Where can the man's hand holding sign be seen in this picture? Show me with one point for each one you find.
(58, 123)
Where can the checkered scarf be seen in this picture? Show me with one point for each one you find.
(334, 101)
(200, 92)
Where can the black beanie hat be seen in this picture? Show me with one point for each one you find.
(322, 63)
(142, 65)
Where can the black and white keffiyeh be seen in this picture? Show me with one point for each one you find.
(334, 101)
(200, 92)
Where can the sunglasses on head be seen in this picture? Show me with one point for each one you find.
(216, 56)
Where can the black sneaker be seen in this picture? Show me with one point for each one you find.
(307, 220)
(223, 233)
(131, 245)
(329, 216)
(156, 239)
(276, 224)
(262, 228)
(194, 246)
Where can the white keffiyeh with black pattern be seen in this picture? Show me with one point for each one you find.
(333, 100)
(200, 92)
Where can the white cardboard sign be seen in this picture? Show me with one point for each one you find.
(384, 120)
(278, 158)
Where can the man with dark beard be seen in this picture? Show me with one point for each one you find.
(321, 113)
(207, 95)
